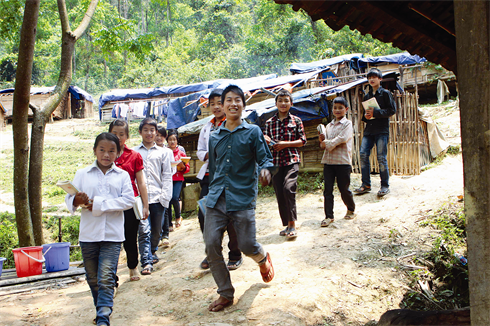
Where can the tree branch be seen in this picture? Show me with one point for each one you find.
(86, 19)
(65, 23)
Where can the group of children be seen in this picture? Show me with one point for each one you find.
(236, 156)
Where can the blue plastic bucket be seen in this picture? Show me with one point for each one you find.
(57, 256)
(1, 264)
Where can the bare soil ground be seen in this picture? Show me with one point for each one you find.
(346, 274)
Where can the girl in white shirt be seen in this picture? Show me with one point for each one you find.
(105, 191)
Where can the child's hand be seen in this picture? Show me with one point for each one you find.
(181, 167)
(267, 139)
(279, 146)
(81, 198)
(89, 205)
(369, 113)
(321, 137)
(265, 177)
(146, 213)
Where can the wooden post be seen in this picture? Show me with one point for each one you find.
(473, 53)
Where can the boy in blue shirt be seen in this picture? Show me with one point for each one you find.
(238, 152)
(376, 132)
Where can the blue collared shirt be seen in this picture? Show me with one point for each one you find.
(235, 159)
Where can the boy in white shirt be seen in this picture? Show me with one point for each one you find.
(158, 176)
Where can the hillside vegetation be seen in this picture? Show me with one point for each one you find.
(152, 43)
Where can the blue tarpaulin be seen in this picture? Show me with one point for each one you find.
(178, 115)
(404, 58)
(148, 93)
(297, 68)
(75, 91)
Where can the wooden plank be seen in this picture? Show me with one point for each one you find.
(19, 280)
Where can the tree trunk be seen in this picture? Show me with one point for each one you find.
(41, 115)
(472, 49)
(19, 122)
(35, 175)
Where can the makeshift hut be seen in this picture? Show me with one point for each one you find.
(410, 142)
(155, 102)
(76, 103)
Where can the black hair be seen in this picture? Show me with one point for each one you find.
(162, 131)
(173, 132)
(110, 137)
(119, 123)
(374, 72)
(148, 121)
(284, 92)
(341, 100)
(235, 89)
(215, 93)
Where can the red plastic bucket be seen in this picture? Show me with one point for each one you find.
(28, 261)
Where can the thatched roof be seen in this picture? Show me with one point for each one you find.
(425, 28)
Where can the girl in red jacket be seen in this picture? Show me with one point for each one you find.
(178, 177)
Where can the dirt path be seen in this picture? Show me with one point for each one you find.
(343, 274)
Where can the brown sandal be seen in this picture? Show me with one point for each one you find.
(269, 275)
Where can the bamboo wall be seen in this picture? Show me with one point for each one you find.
(408, 147)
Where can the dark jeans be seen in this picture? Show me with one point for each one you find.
(131, 231)
(342, 174)
(100, 262)
(367, 144)
(174, 202)
(285, 182)
(216, 221)
(234, 254)
(156, 219)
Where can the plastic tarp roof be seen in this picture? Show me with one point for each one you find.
(306, 106)
(323, 64)
(75, 91)
(148, 93)
(179, 115)
(404, 58)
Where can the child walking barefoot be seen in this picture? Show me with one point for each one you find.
(105, 191)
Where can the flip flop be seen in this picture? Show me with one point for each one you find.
(326, 222)
(383, 191)
(178, 223)
(205, 264)
(362, 190)
(232, 265)
(284, 232)
(292, 233)
(134, 275)
(269, 275)
(147, 270)
(215, 306)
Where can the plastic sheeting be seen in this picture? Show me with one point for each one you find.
(323, 64)
(75, 91)
(148, 93)
(404, 58)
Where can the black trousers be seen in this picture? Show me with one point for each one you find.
(234, 253)
(131, 224)
(342, 174)
(285, 184)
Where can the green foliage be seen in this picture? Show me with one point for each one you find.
(8, 238)
(70, 228)
(166, 42)
(447, 275)
(307, 183)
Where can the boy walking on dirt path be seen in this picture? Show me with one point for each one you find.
(238, 153)
(337, 160)
(284, 132)
(158, 177)
(235, 259)
(376, 132)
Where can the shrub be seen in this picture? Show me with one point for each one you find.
(8, 238)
